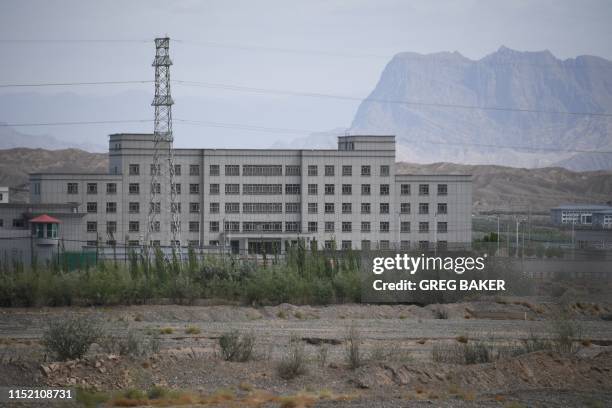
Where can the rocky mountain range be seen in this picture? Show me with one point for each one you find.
(433, 104)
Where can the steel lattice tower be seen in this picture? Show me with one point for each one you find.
(163, 146)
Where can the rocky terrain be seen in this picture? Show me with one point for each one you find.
(396, 347)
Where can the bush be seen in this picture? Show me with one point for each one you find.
(353, 348)
(236, 347)
(134, 344)
(293, 364)
(566, 333)
(441, 314)
(474, 352)
(71, 337)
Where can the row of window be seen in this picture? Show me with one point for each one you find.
(134, 169)
(329, 170)
(134, 226)
(260, 189)
(313, 226)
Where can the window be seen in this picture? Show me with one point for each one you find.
(92, 243)
(155, 208)
(92, 226)
(312, 208)
(193, 243)
(423, 208)
(194, 169)
(347, 170)
(291, 170)
(155, 169)
(262, 208)
(347, 226)
(156, 226)
(365, 245)
(111, 207)
(405, 245)
(213, 170)
(262, 189)
(92, 188)
(312, 189)
(292, 208)
(111, 227)
(73, 188)
(313, 170)
(156, 187)
(384, 208)
(175, 208)
(194, 188)
(133, 242)
(423, 227)
(384, 171)
(329, 189)
(292, 189)
(214, 189)
(366, 171)
(442, 189)
(423, 245)
(347, 208)
(365, 208)
(92, 208)
(213, 226)
(213, 242)
(134, 207)
(194, 226)
(134, 188)
(177, 188)
(329, 244)
(36, 191)
(194, 207)
(347, 189)
(232, 189)
(365, 189)
(423, 189)
(263, 226)
(177, 169)
(442, 208)
(405, 189)
(384, 226)
(111, 188)
(175, 226)
(292, 226)
(134, 169)
(442, 227)
(313, 226)
(405, 208)
(365, 226)
(18, 223)
(329, 208)
(329, 226)
(383, 244)
(262, 170)
(442, 245)
(232, 208)
(330, 170)
(213, 208)
(405, 226)
(346, 245)
(384, 189)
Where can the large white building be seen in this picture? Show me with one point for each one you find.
(254, 201)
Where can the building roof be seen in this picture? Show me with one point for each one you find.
(44, 219)
(586, 207)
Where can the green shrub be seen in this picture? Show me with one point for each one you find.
(70, 338)
(133, 344)
(236, 347)
(353, 348)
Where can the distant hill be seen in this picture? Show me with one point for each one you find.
(495, 187)
(16, 164)
(439, 126)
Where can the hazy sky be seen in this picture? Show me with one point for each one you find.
(262, 44)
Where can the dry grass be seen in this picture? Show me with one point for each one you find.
(166, 330)
(462, 339)
(192, 330)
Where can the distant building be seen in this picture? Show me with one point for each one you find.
(582, 215)
(4, 195)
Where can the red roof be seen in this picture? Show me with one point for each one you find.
(44, 219)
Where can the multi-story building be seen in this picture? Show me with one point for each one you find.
(581, 215)
(259, 200)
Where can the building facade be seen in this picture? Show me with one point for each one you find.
(582, 215)
(256, 201)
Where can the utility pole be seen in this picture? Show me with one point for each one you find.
(497, 235)
(517, 235)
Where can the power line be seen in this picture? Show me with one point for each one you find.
(72, 40)
(98, 122)
(239, 88)
(42, 84)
